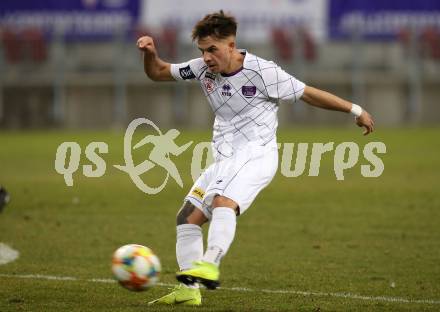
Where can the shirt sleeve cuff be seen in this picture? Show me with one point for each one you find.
(174, 69)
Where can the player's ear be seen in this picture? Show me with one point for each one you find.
(231, 45)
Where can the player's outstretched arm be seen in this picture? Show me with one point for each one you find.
(154, 67)
(330, 101)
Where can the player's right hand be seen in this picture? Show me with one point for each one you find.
(146, 44)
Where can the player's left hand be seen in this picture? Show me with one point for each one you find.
(365, 120)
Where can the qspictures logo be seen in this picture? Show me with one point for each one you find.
(164, 150)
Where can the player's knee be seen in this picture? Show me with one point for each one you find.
(189, 214)
(223, 201)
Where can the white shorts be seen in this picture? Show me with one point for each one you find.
(240, 177)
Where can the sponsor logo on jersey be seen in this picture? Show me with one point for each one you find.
(186, 73)
(249, 91)
(209, 85)
(197, 192)
(210, 75)
(226, 90)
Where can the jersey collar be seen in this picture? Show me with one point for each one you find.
(244, 52)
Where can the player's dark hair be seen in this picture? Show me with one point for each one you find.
(218, 24)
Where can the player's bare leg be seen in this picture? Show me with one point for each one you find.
(220, 236)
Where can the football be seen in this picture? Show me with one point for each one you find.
(136, 267)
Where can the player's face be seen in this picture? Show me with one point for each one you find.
(217, 53)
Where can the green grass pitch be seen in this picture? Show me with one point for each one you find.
(362, 244)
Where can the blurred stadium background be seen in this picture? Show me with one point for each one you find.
(74, 64)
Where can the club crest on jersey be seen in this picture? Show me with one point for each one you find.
(186, 73)
(249, 91)
(209, 85)
(226, 90)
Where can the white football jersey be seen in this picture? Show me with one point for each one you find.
(245, 103)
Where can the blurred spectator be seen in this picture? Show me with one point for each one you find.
(27, 44)
(285, 43)
(11, 45)
(430, 38)
(34, 45)
(427, 40)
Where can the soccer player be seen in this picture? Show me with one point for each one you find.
(244, 92)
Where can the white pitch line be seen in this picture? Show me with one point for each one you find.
(270, 291)
(7, 254)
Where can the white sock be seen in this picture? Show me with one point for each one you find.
(189, 245)
(221, 234)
